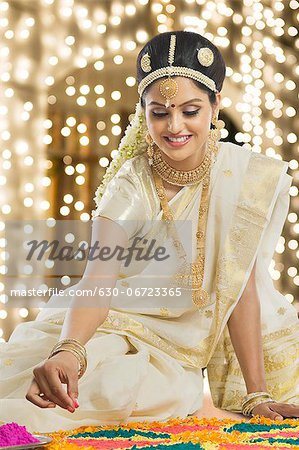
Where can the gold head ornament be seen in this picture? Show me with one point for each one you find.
(168, 89)
(205, 57)
(146, 63)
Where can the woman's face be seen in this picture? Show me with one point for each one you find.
(181, 130)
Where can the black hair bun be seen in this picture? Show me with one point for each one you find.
(191, 50)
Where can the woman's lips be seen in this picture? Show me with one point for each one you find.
(177, 143)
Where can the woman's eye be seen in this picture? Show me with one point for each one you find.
(187, 113)
(191, 113)
(156, 114)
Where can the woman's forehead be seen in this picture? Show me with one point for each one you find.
(187, 90)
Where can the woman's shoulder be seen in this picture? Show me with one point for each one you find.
(138, 162)
(229, 149)
(239, 167)
(233, 158)
(242, 153)
(135, 166)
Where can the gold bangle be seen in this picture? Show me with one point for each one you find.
(253, 395)
(76, 348)
(64, 346)
(80, 358)
(79, 354)
(249, 402)
(73, 342)
(248, 411)
(251, 398)
(254, 399)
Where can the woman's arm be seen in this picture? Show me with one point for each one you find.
(82, 321)
(82, 318)
(245, 331)
(246, 336)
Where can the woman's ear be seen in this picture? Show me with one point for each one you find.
(218, 102)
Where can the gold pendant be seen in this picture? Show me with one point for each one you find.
(168, 89)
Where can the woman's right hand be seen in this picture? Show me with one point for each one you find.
(46, 389)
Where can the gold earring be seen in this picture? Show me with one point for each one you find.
(215, 133)
(150, 148)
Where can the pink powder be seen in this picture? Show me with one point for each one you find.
(110, 444)
(14, 434)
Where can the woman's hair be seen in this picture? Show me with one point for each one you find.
(186, 49)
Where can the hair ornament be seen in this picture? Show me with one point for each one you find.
(205, 56)
(146, 63)
(169, 87)
(171, 49)
(179, 72)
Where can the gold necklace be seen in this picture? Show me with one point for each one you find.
(180, 177)
(190, 275)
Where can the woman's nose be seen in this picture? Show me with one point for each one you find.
(175, 123)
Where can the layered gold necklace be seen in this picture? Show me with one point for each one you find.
(180, 177)
(190, 275)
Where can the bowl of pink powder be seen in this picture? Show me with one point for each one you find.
(14, 436)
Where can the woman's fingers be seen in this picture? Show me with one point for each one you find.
(35, 396)
(284, 409)
(72, 389)
(50, 403)
(68, 373)
(51, 386)
(46, 389)
(276, 411)
(56, 389)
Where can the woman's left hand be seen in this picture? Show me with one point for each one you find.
(276, 411)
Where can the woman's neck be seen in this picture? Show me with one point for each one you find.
(171, 190)
(187, 164)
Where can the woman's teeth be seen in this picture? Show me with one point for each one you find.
(181, 139)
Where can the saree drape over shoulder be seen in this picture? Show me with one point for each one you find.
(145, 361)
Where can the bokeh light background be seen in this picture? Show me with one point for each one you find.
(68, 90)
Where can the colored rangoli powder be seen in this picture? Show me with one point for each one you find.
(14, 434)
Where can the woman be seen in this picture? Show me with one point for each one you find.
(146, 354)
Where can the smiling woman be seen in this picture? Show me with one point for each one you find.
(146, 354)
(180, 131)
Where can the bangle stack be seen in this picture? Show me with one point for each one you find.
(254, 399)
(76, 348)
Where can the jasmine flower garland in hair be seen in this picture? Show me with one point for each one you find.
(132, 144)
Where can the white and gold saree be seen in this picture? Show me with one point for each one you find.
(145, 361)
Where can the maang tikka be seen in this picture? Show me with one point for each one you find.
(169, 87)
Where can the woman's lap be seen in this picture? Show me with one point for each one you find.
(125, 380)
